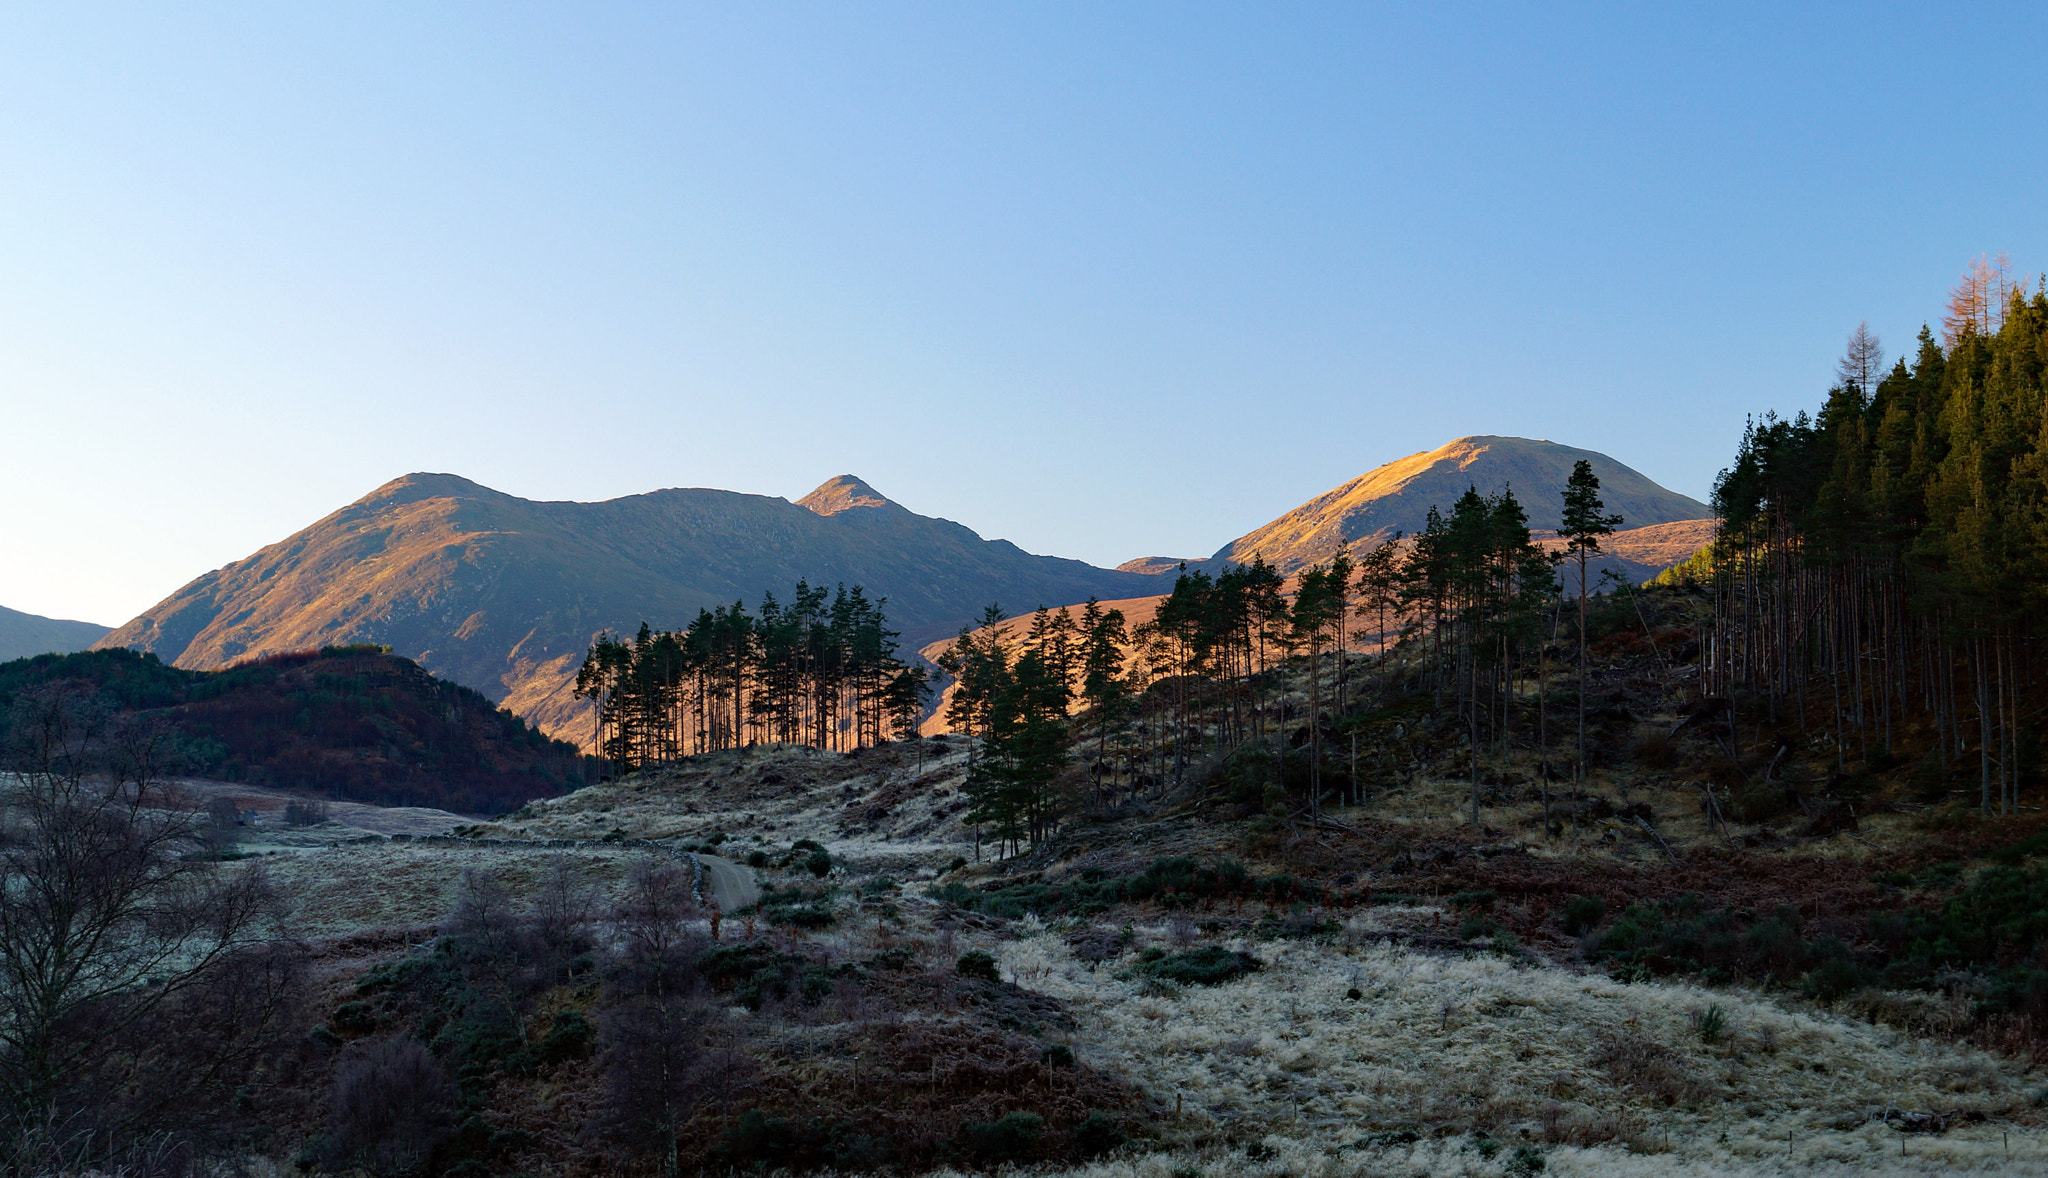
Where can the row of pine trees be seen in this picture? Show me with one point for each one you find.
(821, 670)
(1882, 564)
(1476, 596)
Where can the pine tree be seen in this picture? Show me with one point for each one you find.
(1585, 521)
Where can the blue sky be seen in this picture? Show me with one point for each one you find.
(1104, 280)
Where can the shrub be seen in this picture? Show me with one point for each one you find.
(1709, 1025)
(754, 972)
(1582, 913)
(1171, 880)
(819, 863)
(1206, 966)
(976, 964)
(810, 916)
(569, 1038)
(1474, 927)
(1010, 1139)
(757, 858)
(388, 1107)
(1833, 978)
(1648, 1066)
(1097, 1134)
(758, 1142)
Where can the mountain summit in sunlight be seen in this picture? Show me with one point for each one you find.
(843, 494)
(1397, 497)
(504, 594)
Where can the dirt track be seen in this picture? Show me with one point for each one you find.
(727, 884)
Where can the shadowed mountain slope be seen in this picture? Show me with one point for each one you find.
(22, 635)
(350, 723)
(504, 594)
(1398, 496)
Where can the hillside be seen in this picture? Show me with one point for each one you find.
(345, 723)
(22, 635)
(1199, 978)
(1398, 496)
(504, 594)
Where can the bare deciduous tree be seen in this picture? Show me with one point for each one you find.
(390, 1104)
(136, 979)
(1862, 362)
(1978, 300)
(657, 1068)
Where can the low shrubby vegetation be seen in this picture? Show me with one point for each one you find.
(769, 1052)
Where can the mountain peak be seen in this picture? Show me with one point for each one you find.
(1397, 497)
(842, 494)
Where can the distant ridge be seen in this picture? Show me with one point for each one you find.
(1397, 497)
(22, 635)
(503, 594)
(1152, 566)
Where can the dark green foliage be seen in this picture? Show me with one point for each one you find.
(761, 1143)
(2034, 845)
(757, 859)
(1057, 1055)
(1923, 483)
(819, 863)
(1835, 976)
(1008, 1139)
(1582, 913)
(976, 963)
(348, 722)
(1206, 966)
(1170, 881)
(569, 1038)
(1711, 1025)
(354, 1018)
(1527, 1160)
(1995, 927)
(800, 907)
(805, 916)
(1024, 745)
(755, 971)
(1097, 1134)
(821, 670)
(1476, 926)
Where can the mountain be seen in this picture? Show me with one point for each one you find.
(504, 594)
(1398, 496)
(352, 723)
(23, 634)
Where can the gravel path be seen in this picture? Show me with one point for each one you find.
(728, 884)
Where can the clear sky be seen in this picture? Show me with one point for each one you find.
(1107, 280)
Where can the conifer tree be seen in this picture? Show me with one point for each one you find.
(1585, 520)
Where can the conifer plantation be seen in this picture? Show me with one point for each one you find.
(1882, 564)
(821, 670)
